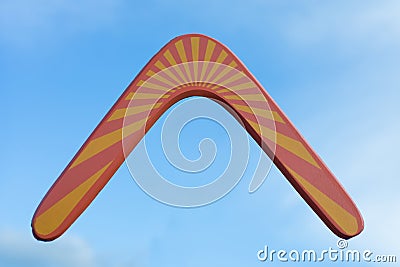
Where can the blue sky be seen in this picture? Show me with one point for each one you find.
(332, 67)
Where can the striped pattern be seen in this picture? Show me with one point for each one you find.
(187, 66)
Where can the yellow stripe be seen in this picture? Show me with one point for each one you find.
(249, 97)
(181, 51)
(218, 87)
(145, 96)
(209, 50)
(103, 142)
(225, 71)
(296, 147)
(122, 112)
(203, 70)
(222, 56)
(129, 96)
(195, 54)
(211, 73)
(233, 78)
(133, 127)
(207, 56)
(222, 90)
(150, 73)
(268, 114)
(243, 86)
(52, 218)
(195, 47)
(160, 78)
(170, 58)
(161, 66)
(182, 54)
(233, 64)
(154, 86)
(342, 217)
(220, 59)
(290, 144)
(264, 132)
(172, 61)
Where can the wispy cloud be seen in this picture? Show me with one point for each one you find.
(25, 21)
(18, 249)
(356, 126)
(376, 23)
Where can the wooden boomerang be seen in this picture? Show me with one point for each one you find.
(193, 65)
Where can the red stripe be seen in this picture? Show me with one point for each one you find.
(187, 45)
(202, 48)
(216, 52)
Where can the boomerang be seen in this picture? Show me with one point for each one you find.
(193, 65)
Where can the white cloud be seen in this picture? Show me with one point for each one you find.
(20, 249)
